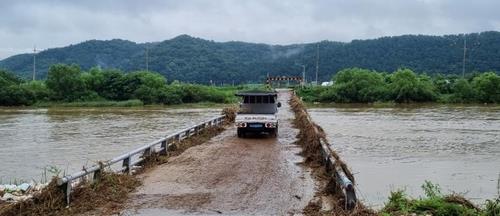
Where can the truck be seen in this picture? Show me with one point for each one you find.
(258, 113)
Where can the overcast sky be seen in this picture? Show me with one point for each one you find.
(56, 23)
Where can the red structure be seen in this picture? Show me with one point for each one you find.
(271, 79)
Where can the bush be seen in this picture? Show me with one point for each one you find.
(311, 94)
(112, 87)
(406, 87)
(38, 88)
(359, 85)
(487, 87)
(15, 95)
(7, 79)
(462, 92)
(65, 82)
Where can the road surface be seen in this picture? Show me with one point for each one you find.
(227, 175)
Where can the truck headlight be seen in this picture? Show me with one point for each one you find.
(270, 124)
(241, 124)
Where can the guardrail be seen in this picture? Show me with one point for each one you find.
(333, 166)
(127, 160)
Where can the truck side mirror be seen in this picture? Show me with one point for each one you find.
(279, 104)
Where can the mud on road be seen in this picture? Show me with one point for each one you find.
(258, 175)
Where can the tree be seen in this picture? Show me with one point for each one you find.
(94, 79)
(359, 85)
(406, 86)
(487, 86)
(463, 91)
(65, 82)
(38, 89)
(8, 78)
(112, 85)
(15, 95)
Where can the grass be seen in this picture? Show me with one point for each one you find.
(436, 203)
(127, 103)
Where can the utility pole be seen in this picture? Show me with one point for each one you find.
(34, 62)
(304, 74)
(463, 61)
(317, 62)
(147, 59)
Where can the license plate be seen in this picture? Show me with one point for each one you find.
(255, 125)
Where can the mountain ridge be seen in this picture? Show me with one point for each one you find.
(193, 59)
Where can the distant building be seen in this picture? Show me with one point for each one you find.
(327, 83)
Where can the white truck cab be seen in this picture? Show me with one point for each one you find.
(258, 113)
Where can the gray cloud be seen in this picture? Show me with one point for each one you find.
(53, 23)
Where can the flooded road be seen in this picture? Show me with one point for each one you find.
(457, 147)
(70, 138)
(258, 175)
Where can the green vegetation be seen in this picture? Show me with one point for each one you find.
(435, 203)
(67, 85)
(355, 85)
(191, 59)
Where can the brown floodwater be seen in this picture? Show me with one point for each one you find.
(457, 147)
(70, 138)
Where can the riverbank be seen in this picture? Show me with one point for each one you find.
(118, 104)
(397, 105)
(355, 85)
(455, 147)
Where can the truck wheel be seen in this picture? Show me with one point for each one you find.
(274, 133)
(241, 133)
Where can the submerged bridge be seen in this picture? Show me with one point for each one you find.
(257, 175)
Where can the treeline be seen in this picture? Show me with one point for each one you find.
(68, 83)
(192, 59)
(356, 85)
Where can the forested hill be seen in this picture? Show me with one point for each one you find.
(196, 60)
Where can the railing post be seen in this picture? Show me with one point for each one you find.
(164, 147)
(147, 152)
(97, 175)
(66, 188)
(178, 137)
(188, 133)
(126, 164)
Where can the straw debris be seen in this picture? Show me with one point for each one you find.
(230, 114)
(309, 138)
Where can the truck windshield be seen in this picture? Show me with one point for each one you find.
(258, 104)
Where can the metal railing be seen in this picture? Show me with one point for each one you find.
(128, 163)
(334, 167)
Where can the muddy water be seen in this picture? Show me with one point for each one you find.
(69, 138)
(457, 147)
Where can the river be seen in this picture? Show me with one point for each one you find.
(32, 140)
(457, 147)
